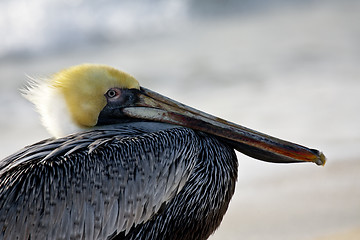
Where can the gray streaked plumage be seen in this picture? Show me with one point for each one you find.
(136, 180)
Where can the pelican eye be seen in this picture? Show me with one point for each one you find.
(111, 93)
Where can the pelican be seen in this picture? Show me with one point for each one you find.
(125, 163)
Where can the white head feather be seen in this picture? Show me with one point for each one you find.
(51, 105)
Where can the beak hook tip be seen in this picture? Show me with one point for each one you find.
(321, 160)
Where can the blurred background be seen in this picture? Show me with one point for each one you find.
(287, 68)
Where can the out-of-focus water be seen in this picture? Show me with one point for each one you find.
(41, 26)
(286, 68)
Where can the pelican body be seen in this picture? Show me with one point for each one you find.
(125, 163)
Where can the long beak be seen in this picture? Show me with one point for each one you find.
(155, 107)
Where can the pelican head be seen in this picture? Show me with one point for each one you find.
(72, 99)
(85, 96)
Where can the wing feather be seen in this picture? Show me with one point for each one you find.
(106, 184)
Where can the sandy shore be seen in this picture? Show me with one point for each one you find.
(352, 234)
(306, 203)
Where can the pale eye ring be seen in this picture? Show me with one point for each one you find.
(111, 93)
